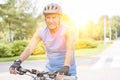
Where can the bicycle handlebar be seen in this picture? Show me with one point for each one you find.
(42, 75)
(23, 71)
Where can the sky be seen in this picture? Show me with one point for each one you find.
(82, 11)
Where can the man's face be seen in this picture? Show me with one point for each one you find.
(52, 20)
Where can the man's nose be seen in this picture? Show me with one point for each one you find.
(50, 20)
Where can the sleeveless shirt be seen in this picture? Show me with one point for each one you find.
(55, 45)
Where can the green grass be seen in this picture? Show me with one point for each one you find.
(92, 51)
(78, 53)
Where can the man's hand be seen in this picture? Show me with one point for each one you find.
(64, 70)
(15, 66)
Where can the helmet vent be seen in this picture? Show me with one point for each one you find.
(52, 8)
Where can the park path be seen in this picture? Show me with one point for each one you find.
(106, 67)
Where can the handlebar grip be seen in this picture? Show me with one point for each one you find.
(22, 71)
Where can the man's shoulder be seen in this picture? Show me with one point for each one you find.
(42, 31)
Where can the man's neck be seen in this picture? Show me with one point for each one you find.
(53, 31)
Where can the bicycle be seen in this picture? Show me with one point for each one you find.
(37, 75)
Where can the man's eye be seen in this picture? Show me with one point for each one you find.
(48, 17)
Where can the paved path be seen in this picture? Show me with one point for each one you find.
(105, 66)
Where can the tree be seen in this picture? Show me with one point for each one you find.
(115, 21)
(101, 25)
(18, 22)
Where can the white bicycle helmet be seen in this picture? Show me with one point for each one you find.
(52, 8)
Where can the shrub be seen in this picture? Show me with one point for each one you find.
(39, 49)
(5, 51)
(85, 43)
(17, 47)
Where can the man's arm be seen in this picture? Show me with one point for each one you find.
(70, 48)
(32, 44)
(69, 53)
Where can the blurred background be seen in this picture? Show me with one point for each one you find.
(95, 23)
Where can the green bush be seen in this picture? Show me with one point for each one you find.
(5, 51)
(85, 43)
(40, 49)
(17, 47)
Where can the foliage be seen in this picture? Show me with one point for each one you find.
(17, 47)
(4, 51)
(115, 23)
(85, 43)
(17, 23)
(39, 49)
(96, 31)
